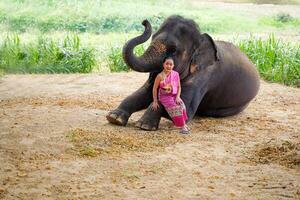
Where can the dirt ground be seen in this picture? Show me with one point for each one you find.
(55, 143)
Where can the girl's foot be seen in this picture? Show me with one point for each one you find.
(188, 127)
(185, 130)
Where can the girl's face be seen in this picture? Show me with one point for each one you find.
(168, 65)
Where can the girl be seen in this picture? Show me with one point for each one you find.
(168, 82)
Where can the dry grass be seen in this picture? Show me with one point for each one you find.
(117, 141)
(285, 153)
(96, 102)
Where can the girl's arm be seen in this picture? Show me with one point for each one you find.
(154, 92)
(178, 99)
(155, 87)
(179, 90)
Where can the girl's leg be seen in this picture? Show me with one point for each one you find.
(176, 112)
(180, 116)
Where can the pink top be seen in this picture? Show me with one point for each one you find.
(171, 79)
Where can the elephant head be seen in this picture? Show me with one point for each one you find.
(176, 35)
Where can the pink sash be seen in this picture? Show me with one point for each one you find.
(172, 79)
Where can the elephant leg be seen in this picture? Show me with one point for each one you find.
(192, 97)
(137, 101)
(224, 112)
(150, 120)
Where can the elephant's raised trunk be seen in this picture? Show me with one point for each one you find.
(151, 60)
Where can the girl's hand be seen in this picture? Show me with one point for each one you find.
(168, 88)
(155, 105)
(178, 100)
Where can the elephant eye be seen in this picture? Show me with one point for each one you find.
(172, 48)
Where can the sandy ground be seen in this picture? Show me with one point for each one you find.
(55, 143)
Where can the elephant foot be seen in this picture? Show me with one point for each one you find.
(118, 117)
(150, 120)
(147, 124)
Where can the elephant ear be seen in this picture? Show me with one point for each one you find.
(206, 54)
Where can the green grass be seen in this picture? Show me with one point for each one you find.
(105, 16)
(280, 20)
(89, 151)
(82, 16)
(277, 61)
(45, 56)
(265, 1)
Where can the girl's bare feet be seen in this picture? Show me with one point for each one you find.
(185, 130)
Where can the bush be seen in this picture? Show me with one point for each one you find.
(45, 56)
(280, 20)
(283, 17)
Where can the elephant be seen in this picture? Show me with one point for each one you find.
(217, 79)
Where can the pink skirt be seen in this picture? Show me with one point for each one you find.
(176, 111)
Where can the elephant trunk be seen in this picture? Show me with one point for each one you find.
(151, 60)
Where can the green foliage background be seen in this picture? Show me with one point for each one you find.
(68, 36)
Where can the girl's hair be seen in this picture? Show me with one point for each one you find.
(168, 56)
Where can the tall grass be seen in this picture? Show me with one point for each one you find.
(115, 59)
(45, 56)
(277, 61)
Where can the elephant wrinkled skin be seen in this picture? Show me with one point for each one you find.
(217, 79)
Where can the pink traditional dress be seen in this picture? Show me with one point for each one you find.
(168, 89)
